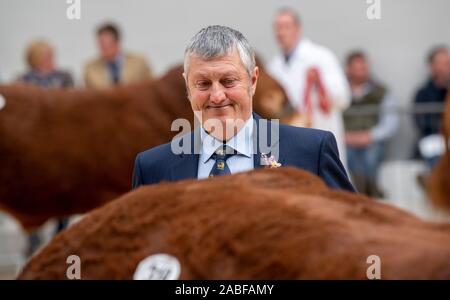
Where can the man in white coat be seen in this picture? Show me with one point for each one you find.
(312, 78)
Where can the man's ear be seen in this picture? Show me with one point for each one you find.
(185, 79)
(255, 76)
(187, 86)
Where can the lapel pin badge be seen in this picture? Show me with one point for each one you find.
(269, 162)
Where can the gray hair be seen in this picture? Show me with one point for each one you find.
(216, 40)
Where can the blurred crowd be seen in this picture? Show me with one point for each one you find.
(346, 99)
(113, 66)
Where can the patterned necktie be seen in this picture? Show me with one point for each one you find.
(220, 165)
(114, 71)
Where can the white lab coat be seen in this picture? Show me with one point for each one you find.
(292, 78)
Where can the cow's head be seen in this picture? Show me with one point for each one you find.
(270, 98)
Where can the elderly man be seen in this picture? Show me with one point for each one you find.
(311, 76)
(221, 77)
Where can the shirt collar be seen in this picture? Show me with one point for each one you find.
(366, 87)
(118, 60)
(242, 142)
(299, 47)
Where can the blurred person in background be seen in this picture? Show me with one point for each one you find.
(430, 144)
(114, 66)
(43, 72)
(312, 78)
(42, 67)
(366, 133)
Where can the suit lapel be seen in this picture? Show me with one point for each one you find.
(187, 165)
(102, 74)
(256, 148)
(261, 131)
(186, 168)
(125, 76)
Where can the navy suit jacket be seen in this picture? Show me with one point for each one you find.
(312, 150)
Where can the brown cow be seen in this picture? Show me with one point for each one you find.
(438, 185)
(265, 224)
(66, 152)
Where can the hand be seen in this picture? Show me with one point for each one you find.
(358, 139)
(324, 105)
(312, 75)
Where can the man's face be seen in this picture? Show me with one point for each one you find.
(358, 70)
(440, 67)
(108, 45)
(287, 32)
(220, 88)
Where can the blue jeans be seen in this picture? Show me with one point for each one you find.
(432, 161)
(365, 161)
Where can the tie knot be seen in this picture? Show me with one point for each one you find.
(223, 152)
(220, 165)
(112, 64)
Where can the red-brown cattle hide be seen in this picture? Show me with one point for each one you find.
(266, 224)
(66, 152)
